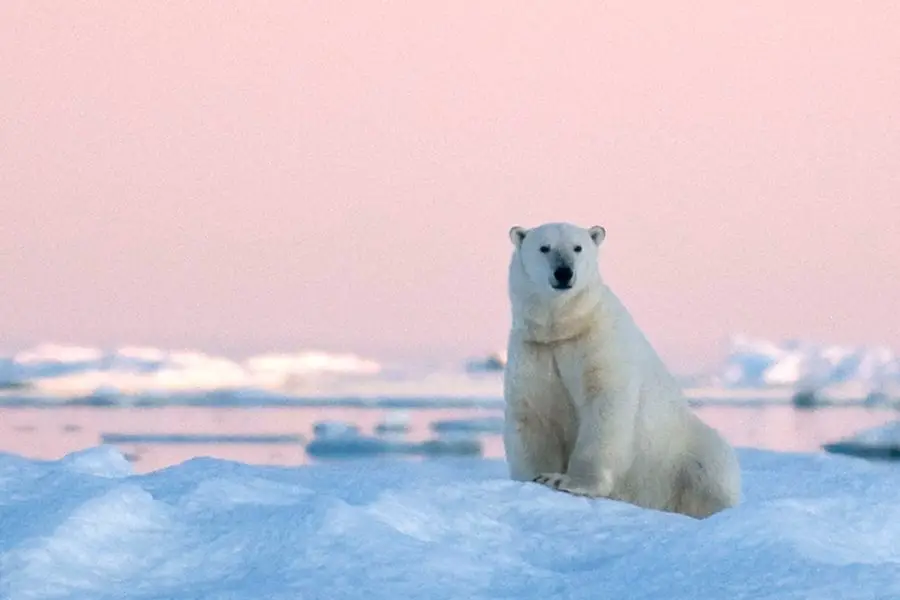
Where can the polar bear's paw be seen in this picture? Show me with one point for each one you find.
(565, 483)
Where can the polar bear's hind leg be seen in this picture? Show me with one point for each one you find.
(705, 487)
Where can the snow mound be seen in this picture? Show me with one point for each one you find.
(812, 526)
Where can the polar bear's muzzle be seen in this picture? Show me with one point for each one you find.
(563, 277)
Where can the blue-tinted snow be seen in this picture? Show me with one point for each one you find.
(811, 527)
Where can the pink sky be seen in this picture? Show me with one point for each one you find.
(277, 175)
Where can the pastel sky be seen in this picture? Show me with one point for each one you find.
(239, 177)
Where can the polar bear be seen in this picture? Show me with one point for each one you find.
(590, 407)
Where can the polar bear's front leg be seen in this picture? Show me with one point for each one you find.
(531, 447)
(602, 451)
(603, 448)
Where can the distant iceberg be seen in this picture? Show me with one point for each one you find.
(71, 371)
(752, 371)
(339, 440)
(491, 425)
(879, 442)
(856, 370)
(492, 363)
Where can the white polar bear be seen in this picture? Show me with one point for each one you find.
(590, 407)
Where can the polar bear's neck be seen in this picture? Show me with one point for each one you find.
(562, 319)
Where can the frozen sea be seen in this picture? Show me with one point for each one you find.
(812, 526)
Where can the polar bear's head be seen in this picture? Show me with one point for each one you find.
(558, 257)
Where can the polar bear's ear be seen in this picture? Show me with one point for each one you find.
(598, 234)
(517, 235)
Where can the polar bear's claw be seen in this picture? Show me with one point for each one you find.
(554, 480)
(563, 483)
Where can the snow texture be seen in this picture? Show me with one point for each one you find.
(812, 526)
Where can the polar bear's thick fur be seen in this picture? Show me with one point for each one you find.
(590, 407)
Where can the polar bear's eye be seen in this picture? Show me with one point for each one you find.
(577, 248)
(545, 249)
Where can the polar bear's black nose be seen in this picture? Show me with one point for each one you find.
(563, 274)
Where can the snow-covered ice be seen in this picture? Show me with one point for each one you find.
(492, 424)
(344, 440)
(886, 435)
(881, 442)
(811, 526)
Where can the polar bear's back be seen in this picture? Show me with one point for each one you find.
(632, 350)
(674, 449)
